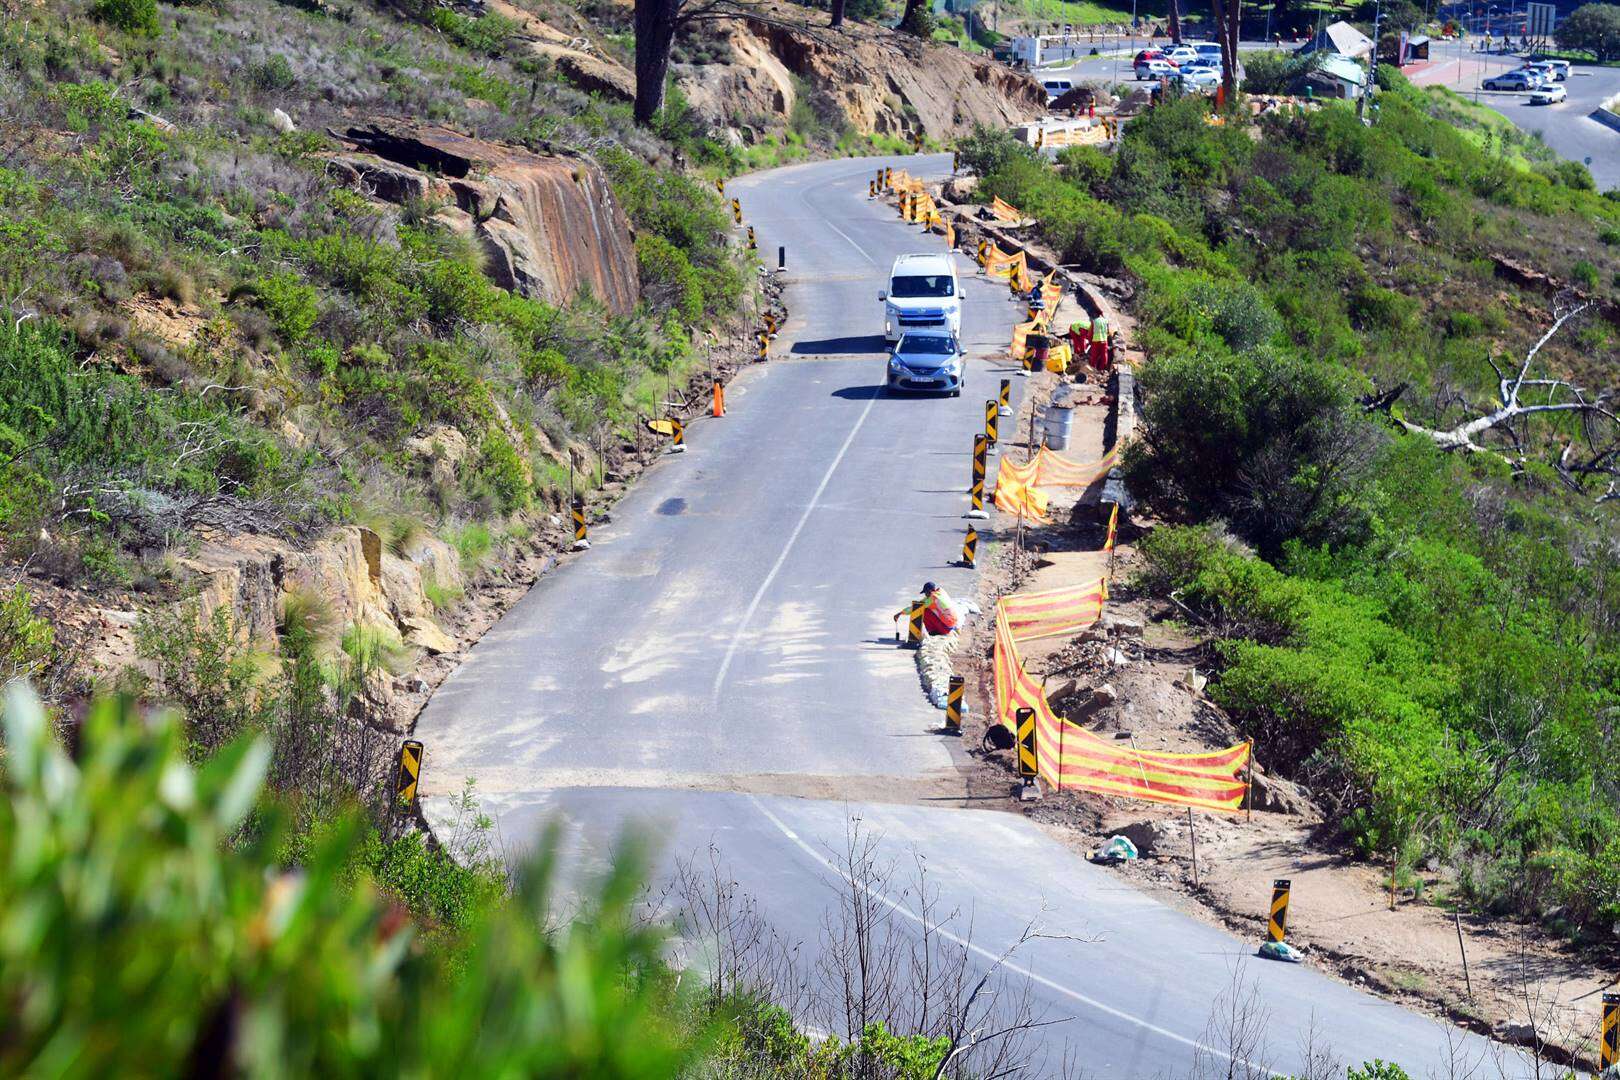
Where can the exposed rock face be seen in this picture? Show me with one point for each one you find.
(572, 54)
(550, 223)
(883, 82)
(351, 570)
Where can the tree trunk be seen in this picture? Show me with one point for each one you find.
(655, 33)
(837, 13)
(1175, 22)
(1227, 14)
(915, 17)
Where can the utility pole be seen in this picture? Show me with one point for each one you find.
(1372, 63)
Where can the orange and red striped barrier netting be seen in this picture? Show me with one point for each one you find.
(1004, 211)
(1069, 756)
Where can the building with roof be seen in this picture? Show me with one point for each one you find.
(1337, 76)
(1341, 38)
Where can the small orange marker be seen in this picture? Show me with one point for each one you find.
(719, 399)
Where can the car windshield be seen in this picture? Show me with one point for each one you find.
(928, 344)
(916, 285)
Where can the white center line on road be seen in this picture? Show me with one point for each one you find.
(1003, 959)
(776, 568)
(852, 242)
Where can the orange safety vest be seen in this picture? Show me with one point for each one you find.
(943, 613)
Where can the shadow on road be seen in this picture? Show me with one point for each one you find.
(859, 393)
(837, 346)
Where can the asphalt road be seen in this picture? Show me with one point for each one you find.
(719, 671)
(1567, 127)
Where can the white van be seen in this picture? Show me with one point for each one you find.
(923, 294)
(1056, 88)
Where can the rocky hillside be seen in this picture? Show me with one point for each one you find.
(859, 79)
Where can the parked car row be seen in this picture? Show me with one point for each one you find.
(1191, 62)
(1536, 75)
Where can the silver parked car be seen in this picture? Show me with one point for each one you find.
(927, 360)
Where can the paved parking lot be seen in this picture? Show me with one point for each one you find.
(1567, 126)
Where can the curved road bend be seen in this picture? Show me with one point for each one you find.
(720, 669)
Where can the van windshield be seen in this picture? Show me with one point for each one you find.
(917, 285)
(928, 344)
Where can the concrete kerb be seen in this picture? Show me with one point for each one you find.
(1118, 429)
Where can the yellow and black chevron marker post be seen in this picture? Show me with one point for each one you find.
(871, 189)
(917, 143)
(751, 245)
(981, 450)
(736, 211)
(953, 705)
(410, 772)
(1027, 766)
(970, 547)
(720, 185)
(956, 161)
(1278, 926)
(1004, 399)
(1609, 1036)
(581, 532)
(914, 623)
(764, 345)
(678, 434)
(770, 323)
(888, 178)
(991, 411)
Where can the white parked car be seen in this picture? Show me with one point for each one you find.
(1155, 69)
(1549, 95)
(1056, 88)
(923, 294)
(1181, 54)
(1195, 77)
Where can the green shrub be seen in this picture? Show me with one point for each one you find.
(1585, 274)
(292, 305)
(27, 642)
(303, 970)
(206, 671)
(375, 647)
(1268, 441)
(989, 150)
(503, 469)
(138, 17)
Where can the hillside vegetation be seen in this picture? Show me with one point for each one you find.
(200, 312)
(1428, 639)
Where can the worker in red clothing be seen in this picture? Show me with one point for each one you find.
(939, 612)
(940, 615)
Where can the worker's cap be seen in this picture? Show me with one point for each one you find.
(928, 587)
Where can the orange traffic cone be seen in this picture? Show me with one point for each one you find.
(719, 399)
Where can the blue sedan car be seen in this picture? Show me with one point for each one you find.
(927, 361)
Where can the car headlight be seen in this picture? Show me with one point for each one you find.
(896, 366)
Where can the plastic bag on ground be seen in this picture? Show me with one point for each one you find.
(1117, 849)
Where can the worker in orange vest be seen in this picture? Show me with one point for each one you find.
(940, 615)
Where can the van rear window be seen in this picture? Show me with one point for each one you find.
(917, 285)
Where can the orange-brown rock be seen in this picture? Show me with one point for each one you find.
(549, 223)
